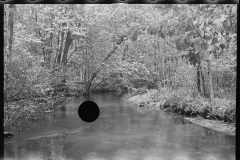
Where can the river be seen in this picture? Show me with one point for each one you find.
(121, 132)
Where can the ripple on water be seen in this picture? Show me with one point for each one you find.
(57, 134)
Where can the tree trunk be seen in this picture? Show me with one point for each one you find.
(203, 81)
(58, 42)
(60, 49)
(87, 88)
(40, 35)
(170, 79)
(49, 51)
(199, 78)
(163, 64)
(210, 81)
(156, 47)
(89, 83)
(67, 46)
(203, 84)
(10, 25)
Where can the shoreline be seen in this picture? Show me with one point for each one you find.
(144, 100)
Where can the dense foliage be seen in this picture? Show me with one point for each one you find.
(81, 48)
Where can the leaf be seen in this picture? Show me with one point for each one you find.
(214, 28)
(209, 41)
(222, 45)
(235, 27)
(221, 31)
(201, 54)
(135, 36)
(188, 29)
(220, 20)
(176, 58)
(185, 45)
(162, 35)
(227, 8)
(170, 33)
(197, 46)
(153, 32)
(225, 26)
(166, 60)
(178, 43)
(234, 9)
(205, 55)
(195, 40)
(208, 37)
(219, 25)
(204, 46)
(190, 22)
(202, 33)
(140, 32)
(189, 14)
(195, 23)
(191, 55)
(181, 17)
(229, 24)
(159, 28)
(150, 29)
(201, 26)
(192, 34)
(193, 61)
(201, 19)
(214, 41)
(211, 48)
(211, 57)
(130, 30)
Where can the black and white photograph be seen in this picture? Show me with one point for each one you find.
(119, 81)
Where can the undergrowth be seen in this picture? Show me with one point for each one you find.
(188, 102)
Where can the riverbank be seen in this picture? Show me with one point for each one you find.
(33, 109)
(39, 105)
(219, 116)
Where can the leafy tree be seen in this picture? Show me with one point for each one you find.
(130, 44)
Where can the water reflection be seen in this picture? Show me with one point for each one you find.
(122, 131)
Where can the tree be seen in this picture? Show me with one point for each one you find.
(85, 42)
(10, 32)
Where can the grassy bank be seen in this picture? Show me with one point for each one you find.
(182, 102)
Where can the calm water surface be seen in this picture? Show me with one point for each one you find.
(122, 132)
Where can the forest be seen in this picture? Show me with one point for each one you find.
(186, 53)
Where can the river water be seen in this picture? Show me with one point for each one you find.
(122, 132)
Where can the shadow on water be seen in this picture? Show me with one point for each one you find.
(122, 131)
